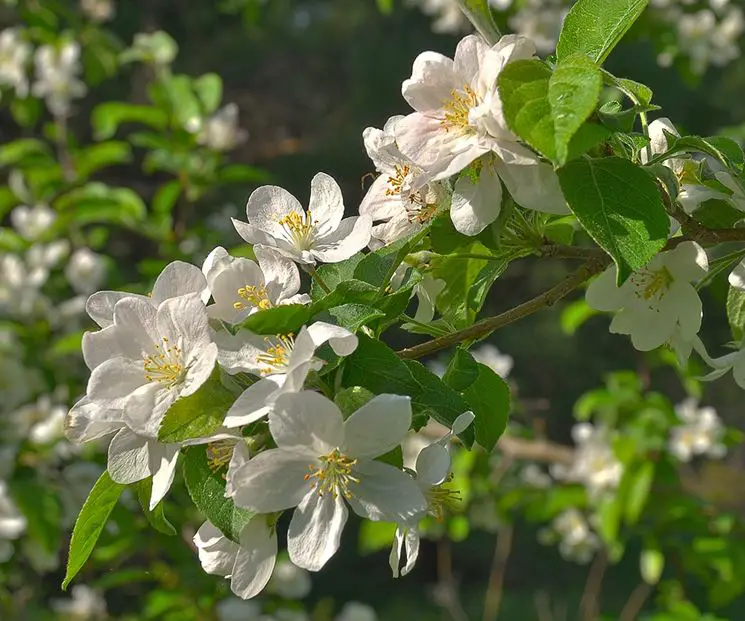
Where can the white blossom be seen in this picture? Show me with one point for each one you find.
(700, 434)
(391, 200)
(32, 223)
(247, 564)
(15, 54)
(656, 302)
(12, 521)
(276, 219)
(459, 123)
(289, 581)
(490, 356)
(594, 464)
(577, 541)
(42, 422)
(98, 10)
(57, 76)
(356, 611)
(534, 476)
(320, 462)
(241, 287)
(220, 132)
(283, 362)
(85, 270)
(86, 604)
(707, 40)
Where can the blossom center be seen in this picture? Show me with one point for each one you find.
(652, 285)
(397, 180)
(418, 210)
(442, 498)
(165, 365)
(219, 454)
(458, 107)
(251, 295)
(276, 357)
(333, 476)
(299, 228)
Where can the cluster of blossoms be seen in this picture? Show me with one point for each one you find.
(705, 35)
(572, 531)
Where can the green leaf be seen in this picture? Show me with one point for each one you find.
(736, 312)
(488, 397)
(573, 92)
(727, 151)
(156, 517)
(479, 14)
(354, 316)
(385, 6)
(333, 274)
(97, 156)
(717, 214)
(639, 93)
(199, 414)
(182, 100)
(207, 491)
(98, 202)
(90, 523)
(17, 152)
(462, 370)
(107, 117)
(351, 399)
(166, 196)
(588, 136)
(639, 485)
(523, 88)
(285, 319)
(208, 88)
(620, 206)
(241, 173)
(594, 27)
(376, 266)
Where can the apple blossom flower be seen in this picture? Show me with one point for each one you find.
(86, 604)
(57, 71)
(240, 287)
(700, 434)
(656, 302)
(42, 422)
(32, 223)
(276, 219)
(391, 198)
(594, 465)
(432, 471)
(220, 132)
(320, 462)
(283, 361)
(459, 123)
(14, 56)
(98, 10)
(487, 354)
(247, 564)
(177, 278)
(12, 521)
(85, 270)
(577, 541)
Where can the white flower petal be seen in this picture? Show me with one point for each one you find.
(115, 379)
(217, 261)
(100, 305)
(381, 204)
(252, 234)
(281, 275)
(342, 341)
(602, 293)
(737, 276)
(184, 318)
(326, 202)
(433, 464)
(469, 54)
(533, 186)
(476, 205)
(99, 346)
(255, 559)
(386, 494)
(179, 278)
(351, 236)
(254, 403)
(217, 553)
(129, 459)
(135, 320)
(378, 426)
(163, 458)
(688, 261)
(273, 480)
(411, 543)
(89, 421)
(267, 205)
(315, 530)
(306, 419)
(432, 80)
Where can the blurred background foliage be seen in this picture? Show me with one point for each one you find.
(132, 151)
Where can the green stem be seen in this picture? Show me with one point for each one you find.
(415, 239)
(317, 277)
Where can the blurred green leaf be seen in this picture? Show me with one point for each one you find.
(107, 117)
(94, 157)
(41, 508)
(208, 88)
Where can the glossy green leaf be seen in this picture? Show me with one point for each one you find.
(620, 206)
(351, 399)
(90, 523)
(207, 491)
(156, 517)
(594, 27)
(285, 319)
(462, 370)
(354, 316)
(488, 397)
(736, 312)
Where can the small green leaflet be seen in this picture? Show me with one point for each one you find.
(736, 312)
(90, 523)
(285, 319)
(620, 206)
(157, 516)
(594, 27)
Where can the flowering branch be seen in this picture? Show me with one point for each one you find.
(490, 324)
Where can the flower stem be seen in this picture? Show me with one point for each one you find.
(496, 577)
(317, 277)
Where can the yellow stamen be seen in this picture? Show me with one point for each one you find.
(652, 285)
(253, 296)
(299, 228)
(277, 354)
(458, 107)
(442, 498)
(165, 365)
(396, 181)
(334, 476)
(219, 454)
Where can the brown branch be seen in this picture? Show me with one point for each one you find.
(636, 602)
(486, 326)
(502, 551)
(535, 450)
(589, 606)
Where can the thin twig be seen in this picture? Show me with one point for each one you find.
(502, 551)
(591, 597)
(447, 596)
(486, 326)
(636, 602)
(316, 276)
